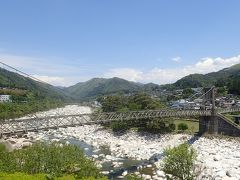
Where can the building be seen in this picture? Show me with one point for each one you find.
(184, 104)
(238, 104)
(5, 98)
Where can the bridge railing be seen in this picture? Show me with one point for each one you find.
(228, 110)
(37, 123)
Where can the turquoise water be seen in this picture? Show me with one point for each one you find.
(127, 163)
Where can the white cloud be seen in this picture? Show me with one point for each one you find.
(177, 59)
(58, 81)
(125, 73)
(48, 69)
(40, 65)
(60, 74)
(170, 75)
(61, 81)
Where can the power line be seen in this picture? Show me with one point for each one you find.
(30, 76)
(21, 72)
(206, 92)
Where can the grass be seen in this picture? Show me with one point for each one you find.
(230, 116)
(24, 176)
(192, 126)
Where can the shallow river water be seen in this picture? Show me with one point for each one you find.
(126, 164)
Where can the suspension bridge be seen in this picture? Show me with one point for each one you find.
(210, 121)
(51, 122)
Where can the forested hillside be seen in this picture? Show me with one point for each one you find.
(41, 90)
(101, 86)
(229, 77)
(27, 95)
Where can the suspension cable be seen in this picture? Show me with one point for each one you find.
(21, 72)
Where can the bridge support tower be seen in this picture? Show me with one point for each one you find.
(216, 123)
(209, 124)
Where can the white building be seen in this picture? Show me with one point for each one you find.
(238, 104)
(5, 98)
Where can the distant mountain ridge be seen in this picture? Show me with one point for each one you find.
(81, 91)
(101, 86)
(95, 87)
(213, 78)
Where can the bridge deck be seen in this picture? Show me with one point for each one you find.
(40, 123)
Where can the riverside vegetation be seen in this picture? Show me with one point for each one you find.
(19, 109)
(179, 162)
(27, 95)
(56, 161)
(47, 161)
(138, 102)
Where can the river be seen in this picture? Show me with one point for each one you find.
(118, 155)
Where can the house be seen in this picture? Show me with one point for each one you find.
(238, 104)
(179, 104)
(5, 98)
(184, 104)
(229, 103)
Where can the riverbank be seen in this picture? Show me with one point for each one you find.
(217, 158)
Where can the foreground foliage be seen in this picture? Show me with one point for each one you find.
(53, 159)
(23, 176)
(179, 162)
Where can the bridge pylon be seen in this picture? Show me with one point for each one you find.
(209, 124)
(215, 123)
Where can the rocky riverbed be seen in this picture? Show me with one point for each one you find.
(217, 158)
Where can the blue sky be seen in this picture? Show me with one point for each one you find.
(64, 42)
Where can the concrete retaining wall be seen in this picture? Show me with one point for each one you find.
(218, 125)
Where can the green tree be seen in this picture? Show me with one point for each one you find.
(182, 126)
(112, 103)
(172, 127)
(120, 126)
(187, 92)
(54, 159)
(179, 162)
(222, 91)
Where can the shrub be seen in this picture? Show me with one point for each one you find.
(179, 162)
(132, 177)
(105, 149)
(54, 159)
(24, 176)
(160, 126)
(119, 126)
(172, 127)
(182, 126)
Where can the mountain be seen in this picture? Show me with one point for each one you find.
(219, 78)
(101, 86)
(9, 79)
(95, 87)
(81, 91)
